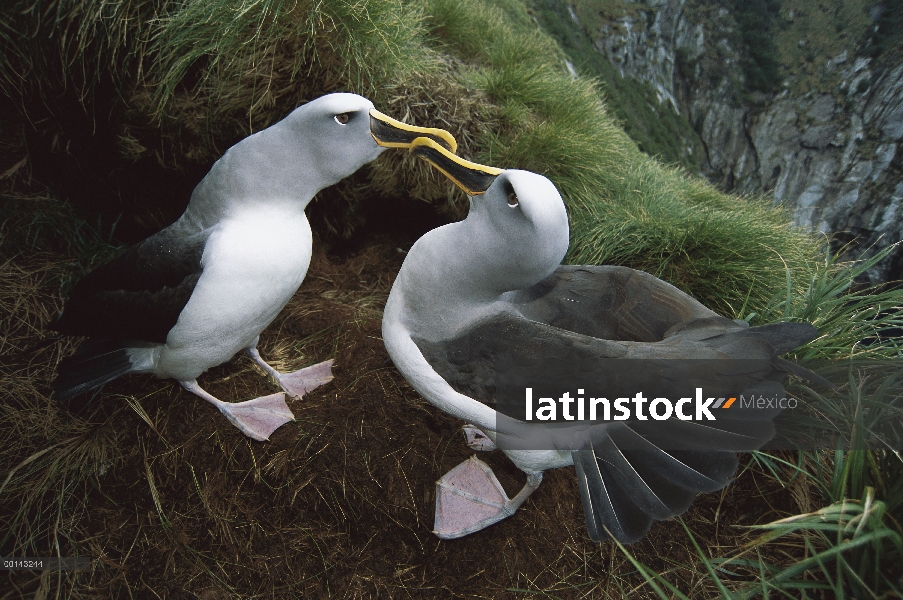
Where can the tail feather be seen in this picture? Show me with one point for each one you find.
(645, 471)
(95, 363)
(626, 482)
(782, 337)
(802, 372)
(605, 505)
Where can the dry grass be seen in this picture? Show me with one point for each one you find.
(170, 500)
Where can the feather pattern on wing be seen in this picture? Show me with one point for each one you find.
(636, 471)
(140, 294)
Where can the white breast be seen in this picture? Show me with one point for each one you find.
(253, 264)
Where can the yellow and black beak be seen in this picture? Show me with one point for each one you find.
(471, 177)
(394, 134)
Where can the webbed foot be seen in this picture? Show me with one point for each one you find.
(296, 383)
(470, 498)
(477, 440)
(257, 418)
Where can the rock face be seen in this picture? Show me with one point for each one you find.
(831, 156)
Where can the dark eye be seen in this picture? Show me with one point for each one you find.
(342, 118)
(512, 199)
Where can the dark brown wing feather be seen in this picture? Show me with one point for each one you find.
(138, 295)
(613, 303)
(659, 341)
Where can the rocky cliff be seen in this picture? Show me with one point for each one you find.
(826, 143)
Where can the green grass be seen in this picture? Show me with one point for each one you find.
(200, 74)
(855, 322)
(191, 77)
(853, 545)
(848, 543)
(360, 45)
(755, 30)
(813, 35)
(625, 207)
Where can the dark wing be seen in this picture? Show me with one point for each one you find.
(629, 472)
(138, 295)
(613, 303)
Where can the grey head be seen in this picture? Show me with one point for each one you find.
(514, 236)
(315, 146)
(517, 232)
(334, 133)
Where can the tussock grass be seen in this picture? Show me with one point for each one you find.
(340, 502)
(254, 56)
(203, 74)
(845, 545)
(849, 545)
(625, 208)
(853, 321)
(51, 46)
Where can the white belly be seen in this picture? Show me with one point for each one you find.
(252, 267)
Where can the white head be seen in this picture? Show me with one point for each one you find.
(339, 133)
(514, 236)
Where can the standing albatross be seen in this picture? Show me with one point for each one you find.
(482, 315)
(189, 297)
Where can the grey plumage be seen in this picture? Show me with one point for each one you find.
(485, 306)
(636, 471)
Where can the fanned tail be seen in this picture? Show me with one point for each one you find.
(780, 337)
(626, 482)
(784, 337)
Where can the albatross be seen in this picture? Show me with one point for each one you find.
(194, 294)
(482, 315)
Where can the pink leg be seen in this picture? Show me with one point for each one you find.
(257, 418)
(296, 383)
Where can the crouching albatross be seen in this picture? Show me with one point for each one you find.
(482, 315)
(191, 296)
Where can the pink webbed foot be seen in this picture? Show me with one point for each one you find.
(260, 417)
(257, 418)
(300, 382)
(296, 383)
(470, 498)
(477, 440)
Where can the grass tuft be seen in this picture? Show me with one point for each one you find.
(340, 501)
